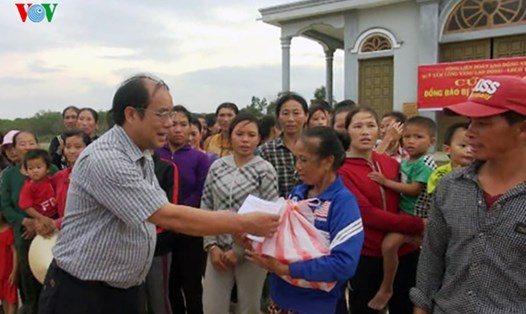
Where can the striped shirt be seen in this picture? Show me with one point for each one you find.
(473, 255)
(113, 190)
(227, 186)
(277, 153)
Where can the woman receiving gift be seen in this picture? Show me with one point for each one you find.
(230, 181)
(319, 153)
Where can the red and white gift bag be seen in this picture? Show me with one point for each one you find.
(296, 240)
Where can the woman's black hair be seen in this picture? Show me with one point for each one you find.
(22, 132)
(339, 110)
(210, 120)
(356, 110)
(71, 133)
(182, 109)
(227, 105)
(328, 144)
(69, 108)
(243, 117)
(345, 139)
(283, 98)
(266, 123)
(93, 113)
(348, 104)
(322, 103)
(194, 120)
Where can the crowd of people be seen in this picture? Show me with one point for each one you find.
(147, 223)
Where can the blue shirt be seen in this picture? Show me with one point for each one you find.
(342, 225)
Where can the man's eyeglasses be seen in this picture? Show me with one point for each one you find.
(163, 116)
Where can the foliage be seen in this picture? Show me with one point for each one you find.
(260, 107)
(320, 93)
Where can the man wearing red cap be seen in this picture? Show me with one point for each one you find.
(474, 252)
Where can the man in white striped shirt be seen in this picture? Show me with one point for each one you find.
(107, 240)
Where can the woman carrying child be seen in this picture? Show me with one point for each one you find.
(23, 225)
(379, 208)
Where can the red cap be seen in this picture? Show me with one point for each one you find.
(493, 95)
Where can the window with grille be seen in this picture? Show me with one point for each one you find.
(472, 15)
(375, 43)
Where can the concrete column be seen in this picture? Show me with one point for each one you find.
(428, 41)
(285, 63)
(329, 58)
(350, 34)
(429, 31)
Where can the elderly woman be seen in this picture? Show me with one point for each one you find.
(380, 212)
(8, 150)
(319, 154)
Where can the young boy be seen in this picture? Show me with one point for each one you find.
(457, 148)
(37, 196)
(418, 136)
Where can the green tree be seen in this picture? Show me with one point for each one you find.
(271, 108)
(258, 106)
(320, 93)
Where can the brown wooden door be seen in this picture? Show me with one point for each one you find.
(376, 84)
(509, 47)
(466, 50)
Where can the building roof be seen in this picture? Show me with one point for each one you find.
(276, 15)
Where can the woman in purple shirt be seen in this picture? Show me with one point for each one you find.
(188, 257)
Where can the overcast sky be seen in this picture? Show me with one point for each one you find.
(207, 51)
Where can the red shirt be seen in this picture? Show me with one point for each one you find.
(61, 183)
(378, 205)
(39, 195)
(7, 240)
(490, 199)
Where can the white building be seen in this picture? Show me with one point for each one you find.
(384, 41)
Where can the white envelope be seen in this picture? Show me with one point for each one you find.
(255, 204)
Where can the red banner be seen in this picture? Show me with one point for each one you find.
(445, 84)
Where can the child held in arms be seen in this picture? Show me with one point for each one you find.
(37, 196)
(417, 137)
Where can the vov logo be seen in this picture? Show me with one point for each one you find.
(36, 12)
